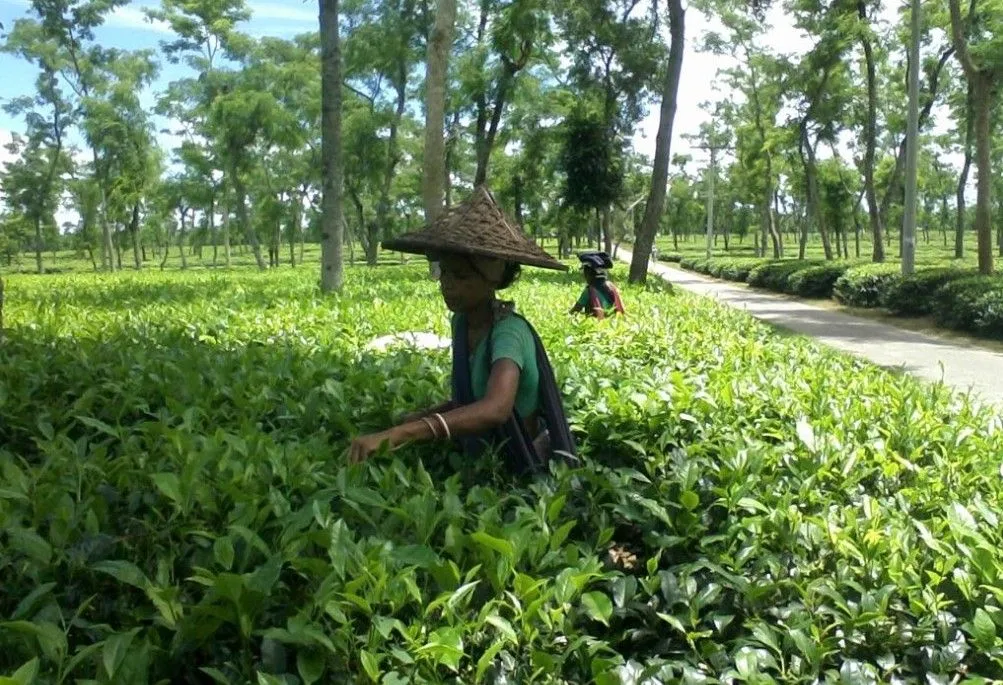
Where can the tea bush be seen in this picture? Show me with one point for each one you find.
(174, 505)
(914, 295)
(957, 303)
(975, 307)
(865, 285)
(816, 281)
(775, 275)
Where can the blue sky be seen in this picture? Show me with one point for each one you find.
(127, 28)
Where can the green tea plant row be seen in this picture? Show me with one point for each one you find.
(175, 507)
(957, 298)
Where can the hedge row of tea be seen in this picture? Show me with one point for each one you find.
(957, 298)
(174, 505)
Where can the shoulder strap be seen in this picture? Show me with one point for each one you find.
(551, 405)
(517, 444)
(597, 309)
(615, 294)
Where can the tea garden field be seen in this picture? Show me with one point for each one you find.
(175, 507)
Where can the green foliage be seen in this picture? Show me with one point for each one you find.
(673, 257)
(176, 507)
(816, 281)
(989, 313)
(775, 275)
(914, 295)
(591, 161)
(728, 268)
(864, 286)
(956, 304)
(806, 279)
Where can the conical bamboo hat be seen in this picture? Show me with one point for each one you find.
(476, 227)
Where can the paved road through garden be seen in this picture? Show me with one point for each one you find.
(962, 367)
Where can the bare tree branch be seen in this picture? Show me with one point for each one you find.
(959, 32)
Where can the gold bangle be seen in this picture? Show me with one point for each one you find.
(431, 427)
(444, 425)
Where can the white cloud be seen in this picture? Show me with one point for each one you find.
(284, 12)
(129, 17)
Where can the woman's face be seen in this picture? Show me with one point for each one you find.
(464, 281)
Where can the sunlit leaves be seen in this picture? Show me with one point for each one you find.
(750, 507)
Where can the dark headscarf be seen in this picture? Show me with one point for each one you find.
(596, 264)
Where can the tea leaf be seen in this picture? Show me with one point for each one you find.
(502, 547)
(31, 544)
(484, 663)
(504, 627)
(598, 606)
(983, 629)
(371, 665)
(123, 571)
(444, 646)
(27, 605)
(421, 556)
(222, 549)
(169, 485)
(51, 639)
(115, 647)
(25, 675)
(98, 425)
(690, 500)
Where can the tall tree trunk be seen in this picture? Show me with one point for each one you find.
(38, 245)
(814, 204)
(242, 216)
(894, 185)
(509, 71)
(607, 230)
(134, 232)
(383, 204)
(108, 249)
(181, 240)
(983, 162)
(945, 212)
(212, 229)
(645, 238)
(870, 136)
(167, 251)
(769, 217)
(856, 225)
(294, 228)
(961, 208)
(433, 165)
(999, 230)
(911, 202)
(226, 235)
(454, 135)
(331, 231)
(302, 236)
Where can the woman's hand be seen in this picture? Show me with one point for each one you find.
(364, 446)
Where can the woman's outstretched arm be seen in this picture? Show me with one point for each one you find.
(476, 418)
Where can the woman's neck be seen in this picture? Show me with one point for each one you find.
(481, 316)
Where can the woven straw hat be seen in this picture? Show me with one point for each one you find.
(476, 227)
